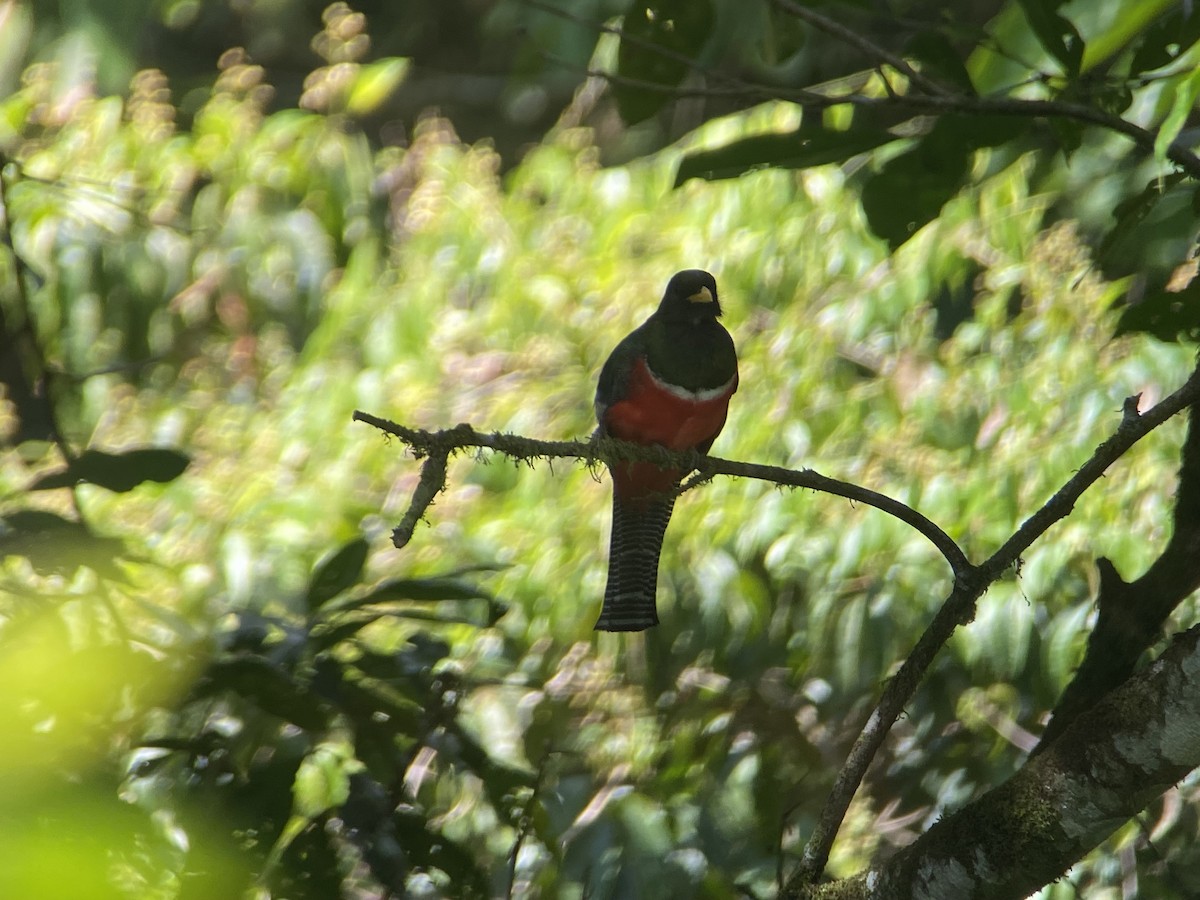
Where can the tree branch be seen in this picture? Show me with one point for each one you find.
(846, 35)
(1131, 614)
(441, 444)
(25, 333)
(1106, 766)
(959, 608)
(936, 98)
(970, 581)
(1177, 152)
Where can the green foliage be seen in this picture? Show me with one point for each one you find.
(657, 39)
(1092, 61)
(232, 652)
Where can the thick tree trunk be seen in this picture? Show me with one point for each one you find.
(1112, 761)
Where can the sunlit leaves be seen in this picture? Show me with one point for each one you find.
(1181, 108)
(65, 699)
(940, 59)
(375, 83)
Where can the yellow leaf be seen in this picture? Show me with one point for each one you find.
(375, 83)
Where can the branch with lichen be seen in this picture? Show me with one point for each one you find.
(437, 446)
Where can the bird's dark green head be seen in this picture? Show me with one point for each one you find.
(691, 294)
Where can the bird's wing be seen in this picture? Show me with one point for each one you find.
(613, 384)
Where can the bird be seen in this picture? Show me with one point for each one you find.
(667, 383)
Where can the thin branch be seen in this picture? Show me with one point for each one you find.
(1025, 833)
(1177, 152)
(1130, 615)
(438, 445)
(958, 609)
(939, 98)
(632, 40)
(839, 31)
(935, 99)
(21, 286)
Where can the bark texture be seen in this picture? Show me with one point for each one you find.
(1110, 763)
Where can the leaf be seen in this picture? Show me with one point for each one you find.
(268, 686)
(375, 83)
(1185, 90)
(809, 145)
(939, 58)
(57, 546)
(423, 590)
(118, 472)
(911, 188)
(1058, 35)
(656, 36)
(338, 572)
(1167, 315)
(1133, 210)
(323, 779)
(1162, 43)
(1156, 229)
(909, 192)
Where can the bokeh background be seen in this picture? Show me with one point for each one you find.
(231, 224)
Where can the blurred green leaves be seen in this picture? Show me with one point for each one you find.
(374, 84)
(234, 279)
(1058, 35)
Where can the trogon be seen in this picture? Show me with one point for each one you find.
(667, 383)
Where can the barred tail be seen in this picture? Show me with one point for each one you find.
(637, 538)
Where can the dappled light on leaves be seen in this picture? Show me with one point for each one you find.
(220, 672)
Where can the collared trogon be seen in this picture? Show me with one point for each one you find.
(667, 383)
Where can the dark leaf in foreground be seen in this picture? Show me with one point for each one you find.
(118, 472)
(335, 574)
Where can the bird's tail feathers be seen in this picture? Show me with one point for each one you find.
(634, 550)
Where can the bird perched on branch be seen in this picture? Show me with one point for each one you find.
(667, 383)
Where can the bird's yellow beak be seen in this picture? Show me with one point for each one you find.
(704, 295)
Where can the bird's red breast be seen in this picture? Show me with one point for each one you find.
(654, 412)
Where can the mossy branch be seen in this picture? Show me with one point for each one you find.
(439, 445)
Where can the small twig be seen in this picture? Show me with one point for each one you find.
(525, 824)
(432, 483)
(21, 285)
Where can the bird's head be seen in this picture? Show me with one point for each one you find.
(691, 294)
